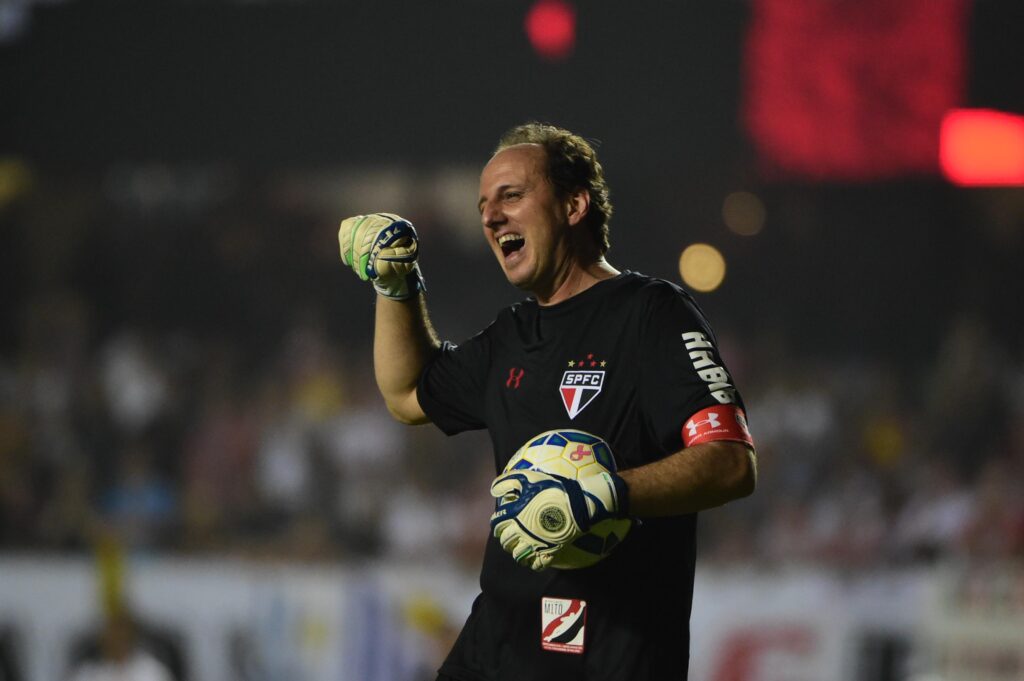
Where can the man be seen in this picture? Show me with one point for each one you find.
(665, 404)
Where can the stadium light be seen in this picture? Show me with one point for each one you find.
(743, 213)
(551, 27)
(982, 147)
(702, 267)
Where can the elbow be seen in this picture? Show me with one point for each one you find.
(406, 411)
(407, 419)
(746, 481)
(742, 476)
(399, 415)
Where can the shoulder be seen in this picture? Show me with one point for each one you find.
(513, 316)
(635, 284)
(656, 295)
(516, 311)
(507, 324)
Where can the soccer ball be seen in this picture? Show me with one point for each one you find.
(574, 454)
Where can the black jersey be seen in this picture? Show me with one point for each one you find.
(631, 360)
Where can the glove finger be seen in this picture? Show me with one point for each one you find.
(540, 561)
(352, 236)
(396, 260)
(499, 521)
(517, 544)
(506, 485)
(345, 234)
(508, 537)
(525, 554)
(387, 269)
(400, 252)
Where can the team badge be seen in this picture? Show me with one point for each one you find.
(562, 624)
(581, 384)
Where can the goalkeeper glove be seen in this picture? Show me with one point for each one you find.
(382, 248)
(538, 513)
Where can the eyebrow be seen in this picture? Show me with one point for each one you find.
(501, 189)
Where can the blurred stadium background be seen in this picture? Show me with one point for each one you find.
(194, 459)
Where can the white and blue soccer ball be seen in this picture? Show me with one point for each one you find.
(574, 454)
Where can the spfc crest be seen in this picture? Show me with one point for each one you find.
(579, 388)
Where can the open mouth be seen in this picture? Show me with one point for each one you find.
(510, 243)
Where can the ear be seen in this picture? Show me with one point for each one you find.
(577, 206)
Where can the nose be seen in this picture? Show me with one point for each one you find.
(491, 215)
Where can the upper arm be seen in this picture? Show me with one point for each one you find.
(688, 394)
(452, 391)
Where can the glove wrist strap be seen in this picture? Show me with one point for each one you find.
(611, 490)
(621, 495)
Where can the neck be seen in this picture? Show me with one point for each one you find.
(577, 279)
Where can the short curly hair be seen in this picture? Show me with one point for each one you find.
(572, 165)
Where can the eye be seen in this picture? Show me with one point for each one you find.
(513, 196)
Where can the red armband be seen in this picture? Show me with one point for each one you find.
(727, 422)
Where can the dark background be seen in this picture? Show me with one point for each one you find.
(265, 86)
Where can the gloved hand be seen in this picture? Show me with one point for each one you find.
(539, 513)
(382, 248)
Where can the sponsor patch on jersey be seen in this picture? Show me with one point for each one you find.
(563, 624)
(579, 388)
(727, 422)
(702, 354)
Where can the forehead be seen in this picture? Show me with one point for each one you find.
(517, 163)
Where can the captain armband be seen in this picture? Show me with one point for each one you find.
(725, 422)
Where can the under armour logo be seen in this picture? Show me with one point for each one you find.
(515, 374)
(711, 420)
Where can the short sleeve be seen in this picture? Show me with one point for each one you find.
(688, 394)
(451, 390)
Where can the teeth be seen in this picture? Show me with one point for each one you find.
(505, 238)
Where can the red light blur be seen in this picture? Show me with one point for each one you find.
(982, 147)
(852, 91)
(551, 27)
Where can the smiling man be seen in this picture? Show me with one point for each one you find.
(657, 392)
(548, 237)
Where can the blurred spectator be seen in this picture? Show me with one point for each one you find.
(218, 456)
(69, 519)
(140, 503)
(10, 661)
(120, 653)
(136, 388)
(994, 523)
(935, 513)
(787, 535)
(966, 394)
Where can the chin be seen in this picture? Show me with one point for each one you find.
(520, 280)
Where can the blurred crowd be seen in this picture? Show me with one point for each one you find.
(173, 444)
(867, 463)
(196, 379)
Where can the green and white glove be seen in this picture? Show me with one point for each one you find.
(382, 248)
(538, 513)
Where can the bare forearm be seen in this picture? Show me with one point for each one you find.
(691, 480)
(403, 343)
